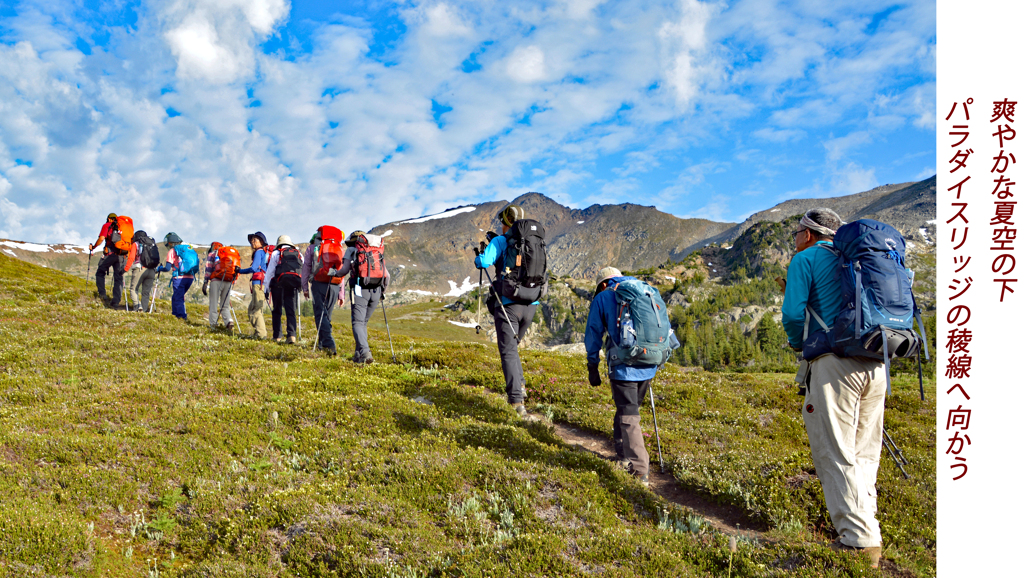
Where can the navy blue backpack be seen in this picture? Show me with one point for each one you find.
(878, 309)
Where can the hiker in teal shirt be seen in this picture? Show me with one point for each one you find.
(810, 281)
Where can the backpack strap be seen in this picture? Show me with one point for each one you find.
(808, 312)
(885, 356)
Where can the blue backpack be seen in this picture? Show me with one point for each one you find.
(645, 333)
(877, 308)
(189, 259)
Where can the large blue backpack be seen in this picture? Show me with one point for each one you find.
(189, 259)
(877, 310)
(645, 333)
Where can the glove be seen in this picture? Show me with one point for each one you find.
(594, 374)
(91, 247)
(491, 235)
(332, 272)
(305, 293)
(205, 285)
(237, 269)
(483, 246)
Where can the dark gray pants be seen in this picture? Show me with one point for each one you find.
(363, 306)
(325, 296)
(629, 438)
(518, 322)
(115, 262)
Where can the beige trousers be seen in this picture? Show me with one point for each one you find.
(256, 304)
(843, 413)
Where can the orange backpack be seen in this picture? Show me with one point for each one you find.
(227, 260)
(332, 250)
(122, 237)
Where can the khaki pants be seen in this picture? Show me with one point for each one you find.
(843, 413)
(142, 285)
(220, 293)
(256, 303)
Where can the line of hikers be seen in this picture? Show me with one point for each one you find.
(848, 308)
(278, 273)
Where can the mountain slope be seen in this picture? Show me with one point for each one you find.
(136, 444)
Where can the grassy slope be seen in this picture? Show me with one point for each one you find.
(131, 444)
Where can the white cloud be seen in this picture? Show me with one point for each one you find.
(526, 64)
(683, 42)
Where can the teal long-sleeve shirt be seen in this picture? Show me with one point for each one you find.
(495, 251)
(811, 279)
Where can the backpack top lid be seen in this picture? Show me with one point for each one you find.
(524, 228)
(329, 233)
(139, 236)
(865, 237)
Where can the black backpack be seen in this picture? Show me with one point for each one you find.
(149, 253)
(524, 277)
(289, 267)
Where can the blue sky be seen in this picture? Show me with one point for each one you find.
(214, 118)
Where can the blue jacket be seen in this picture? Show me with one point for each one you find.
(259, 265)
(603, 318)
(811, 280)
(495, 250)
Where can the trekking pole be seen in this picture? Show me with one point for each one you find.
(152, 299)
(124, 295)
(895, 452)
(226, 301)
(323, 307)
(88, 265)
(385, 310)
(479, 291)
(507, 319)
(298, 315)
(657, 434)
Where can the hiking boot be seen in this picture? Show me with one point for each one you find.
(229, 326)
(291, 340)
(622, 462)
(368, 360)
(277, 340)
(521, 410)
(643, 480)
(331, 352)
(874, 553)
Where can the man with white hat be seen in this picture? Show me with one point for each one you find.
(284, 272)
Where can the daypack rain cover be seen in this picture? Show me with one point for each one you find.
(645, 332)
(122, 238)
(875, 292)
(524, 278)
(227, 259)
(329, 255)
(189, 260)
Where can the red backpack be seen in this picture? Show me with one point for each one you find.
(330, 255)
(368, 269)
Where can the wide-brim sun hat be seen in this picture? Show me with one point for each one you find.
(607, 273)
(284, 240)
(257, 235)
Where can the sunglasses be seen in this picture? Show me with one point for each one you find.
(798, 231)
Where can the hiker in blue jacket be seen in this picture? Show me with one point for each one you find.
(845, 401)
(180, 280)
(512, 321)
(258, 270)
(629, 382)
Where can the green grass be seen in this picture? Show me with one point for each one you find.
(136, 445)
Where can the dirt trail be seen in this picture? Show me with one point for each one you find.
(725, 519)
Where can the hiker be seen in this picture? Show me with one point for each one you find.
(319, 278)
(116, 246)
(143, 276)
(258, 270)
(622, 300)
(845, 400)
(222, 262)
(363, 262)
(183, 263)
(284, 271)
(514, 313)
